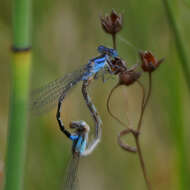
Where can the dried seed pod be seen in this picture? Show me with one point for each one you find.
(128, 77)
(112, 23)
(149, 62)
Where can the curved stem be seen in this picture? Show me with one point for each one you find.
(136, 132)
(143, 106)
(108, 105)
(125, 146)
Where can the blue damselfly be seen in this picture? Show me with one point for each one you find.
(57, 90)
(107, 62)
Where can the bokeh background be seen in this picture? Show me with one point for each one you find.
(65, 35)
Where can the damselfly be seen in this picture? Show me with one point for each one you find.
(106, 62)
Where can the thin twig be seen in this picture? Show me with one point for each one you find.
(142, 161)
(142, 106)
(108, 105)
(136, 132)
(114, 41)
(127, 129)
(144, 100)
(149, 90)
(125, 146)
(136, 136)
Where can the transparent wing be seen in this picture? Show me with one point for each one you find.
(45, 98)
(71, 180)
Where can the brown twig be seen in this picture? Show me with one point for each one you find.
(149, 90)
(142, 105)
(135, 133)
(142, 162)
(112, 24)
(114, 41)
(108, 105)
(136, 136)
(125, 146)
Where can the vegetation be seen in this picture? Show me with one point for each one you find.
(65, 35)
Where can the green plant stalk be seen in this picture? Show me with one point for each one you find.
(169, 6)
(20, 69)
(175, 88)
(17, 122)
(21, 23)
(177, 124)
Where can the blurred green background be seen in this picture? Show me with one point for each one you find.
(65, 35)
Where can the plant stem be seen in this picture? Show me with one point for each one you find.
(178, 40)
(21, 23)
(137, 134)
(149, 90)
(176, 105)
(138, 148)
(114, 41)
(144, 100)
(128, 130)
(142, 106)
(108, 106)
(20, 66)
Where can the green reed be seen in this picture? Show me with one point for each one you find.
(20, 70)
(176, 113)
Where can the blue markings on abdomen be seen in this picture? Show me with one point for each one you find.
(80, 145)
(74, 137)
(100, 60)
(94, 66)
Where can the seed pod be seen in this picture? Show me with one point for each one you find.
(112, 23)
(149, 62)
(128, 77)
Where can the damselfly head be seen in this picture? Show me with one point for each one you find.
(118, 65)
(108, 51)
(80, 126)
(126, 76)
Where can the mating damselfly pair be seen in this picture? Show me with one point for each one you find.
(106, 62)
